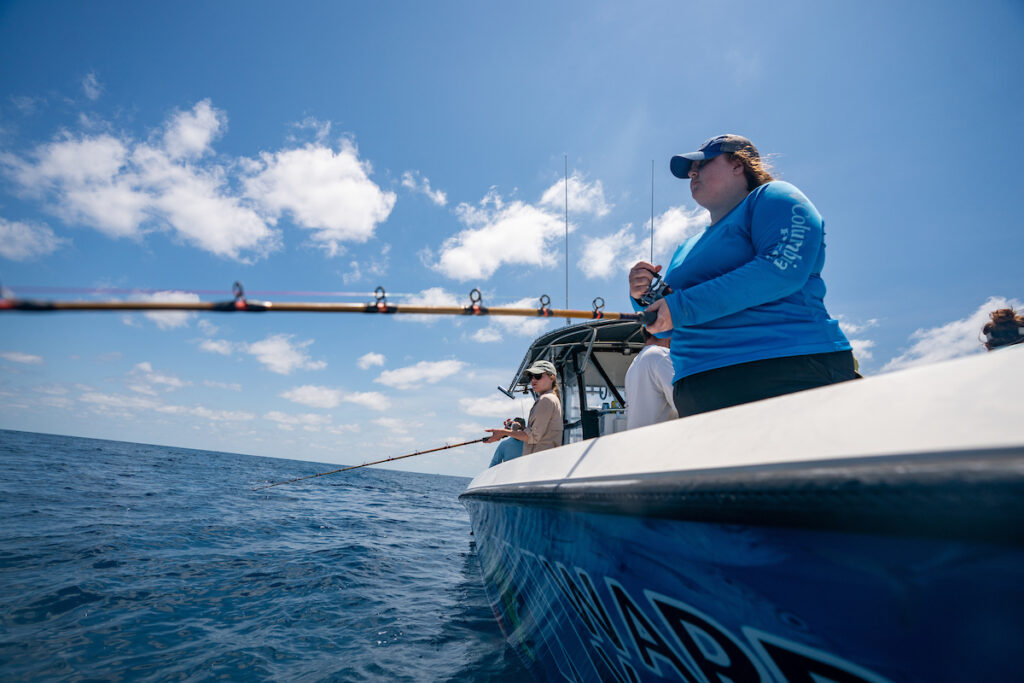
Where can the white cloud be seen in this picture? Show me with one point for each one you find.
(375, 267)
(279, 353)
(144, 377)
(190, 133)
(195, 202)
(86, 180)
(354, 274)
(341, 430)
(230, 386)
(57, 402)
(497, 406)
(310, 422)
(206, 327)
(26, 241)
(673, 226)
(84, 161)
(221, 346)
(19, 357)
(326, 192)
(500, 326)
(26, 105)
(424, 372)
(487, 334)
(321, 129)
(51, 390)
(282, 356)
(171, 319)
(605, 256)
(126, 405)
(91, 86)
(141, 388)
(370, 359)
(500, 233)
(861, 347)
(516, 233)
(432, 296)
(615, 254)
(583, 197)
(368, 399)
(122, 402)
(417, 183)
(123, 188)
(313, 396)
(396, 425)
(212, 415)
(952, 340)
(852, 328)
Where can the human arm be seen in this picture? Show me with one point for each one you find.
(663, 372)
(499, 434)
(785, 234)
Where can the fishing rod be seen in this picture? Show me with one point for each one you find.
(242, 305)
(375, 462)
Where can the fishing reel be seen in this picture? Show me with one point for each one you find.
(656, 290)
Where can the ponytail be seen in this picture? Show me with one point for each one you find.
(1005, 327)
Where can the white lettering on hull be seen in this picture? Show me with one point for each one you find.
(664, 636)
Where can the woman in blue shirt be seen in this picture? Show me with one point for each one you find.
(746, 305)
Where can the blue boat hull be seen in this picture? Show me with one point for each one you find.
(585, 594)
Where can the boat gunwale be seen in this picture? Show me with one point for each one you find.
(972, 495)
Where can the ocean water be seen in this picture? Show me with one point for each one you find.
(124, 561)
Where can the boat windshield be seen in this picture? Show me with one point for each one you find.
(591, 360)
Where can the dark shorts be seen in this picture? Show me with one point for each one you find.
(747, 382)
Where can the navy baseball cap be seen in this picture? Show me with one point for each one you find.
(710, 149)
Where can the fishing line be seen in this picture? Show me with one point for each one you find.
(44, 289)
(375, 462)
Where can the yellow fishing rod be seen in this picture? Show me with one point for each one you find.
(242, 305)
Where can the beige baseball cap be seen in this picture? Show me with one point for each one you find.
(540, 367)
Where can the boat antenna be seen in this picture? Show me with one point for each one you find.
(652, 213)
(375, 462)
(566, 158)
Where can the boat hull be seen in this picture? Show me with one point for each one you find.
(586, 595)
(865, 531)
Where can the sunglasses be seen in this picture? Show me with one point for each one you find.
(533, 376)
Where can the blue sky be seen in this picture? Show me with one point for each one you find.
(174, 148)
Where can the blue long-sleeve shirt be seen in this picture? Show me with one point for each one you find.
(749, 287)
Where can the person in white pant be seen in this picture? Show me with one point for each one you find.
(649, 384)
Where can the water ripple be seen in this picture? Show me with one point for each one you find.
(126, 561)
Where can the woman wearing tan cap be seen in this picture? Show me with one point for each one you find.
(544, 427)
(745, 307)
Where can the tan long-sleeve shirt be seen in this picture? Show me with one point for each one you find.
(544, 426)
